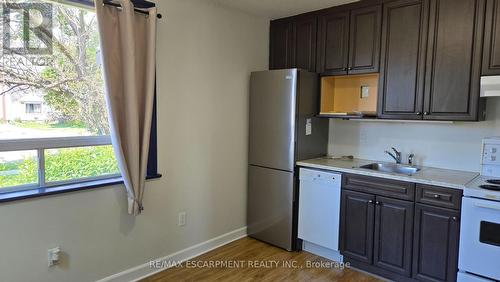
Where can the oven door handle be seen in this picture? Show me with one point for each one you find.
(487, 206)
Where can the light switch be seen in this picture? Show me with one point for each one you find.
(365, 91)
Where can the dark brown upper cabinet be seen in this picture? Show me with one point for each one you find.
(293, 43)
(402, 64)
(281, 43)
(430, 53)
(349, 41)
(333, 43)
(305, 42)
(454, 61)
(364, 42)
(431, 60)
(491, 51)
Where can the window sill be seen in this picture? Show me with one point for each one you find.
(41, 192)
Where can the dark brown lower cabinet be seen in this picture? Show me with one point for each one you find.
(393, 235)
(436, 244)
(402, 239)
(357, 214)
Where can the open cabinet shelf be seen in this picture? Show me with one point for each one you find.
(349, 96)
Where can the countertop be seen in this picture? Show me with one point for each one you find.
(456, 179)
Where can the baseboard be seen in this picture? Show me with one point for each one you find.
(142, 271)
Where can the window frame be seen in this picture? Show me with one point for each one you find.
(41, 144)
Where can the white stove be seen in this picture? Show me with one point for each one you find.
(480, 223)
(484, 187)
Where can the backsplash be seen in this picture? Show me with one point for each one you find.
(443, 145)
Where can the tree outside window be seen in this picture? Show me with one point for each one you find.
(56, 93)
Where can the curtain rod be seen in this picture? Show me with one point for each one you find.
(138, 5)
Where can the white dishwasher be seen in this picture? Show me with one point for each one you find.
(319, 212)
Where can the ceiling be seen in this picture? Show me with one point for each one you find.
(274, 9)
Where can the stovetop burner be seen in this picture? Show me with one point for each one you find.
(494, 181)
(490, 187)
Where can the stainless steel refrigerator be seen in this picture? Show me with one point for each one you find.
(283, 129)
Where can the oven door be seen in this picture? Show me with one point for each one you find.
(480, 237)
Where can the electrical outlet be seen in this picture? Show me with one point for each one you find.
(363, 138)
(53, 256)
(182, 219)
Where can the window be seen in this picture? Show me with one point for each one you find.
(56, 68)
(57, 65)
(33, 108)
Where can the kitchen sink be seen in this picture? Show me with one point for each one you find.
(392, 168)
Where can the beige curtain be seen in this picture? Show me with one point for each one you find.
(128, 42)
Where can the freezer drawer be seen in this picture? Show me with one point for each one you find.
(270, 206)
(319, 207)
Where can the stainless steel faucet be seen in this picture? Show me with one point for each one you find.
(396, 156)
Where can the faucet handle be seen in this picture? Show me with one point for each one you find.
(410, 159)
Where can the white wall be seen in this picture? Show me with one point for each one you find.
(452, 146)
(205, 55)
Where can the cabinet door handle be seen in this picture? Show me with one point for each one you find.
(370, 202)
(349, 68)
(378, 203)
(426, 113)
(419, 113)
(437, 196)
(454, 218)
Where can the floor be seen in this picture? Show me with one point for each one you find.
(251, 260)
